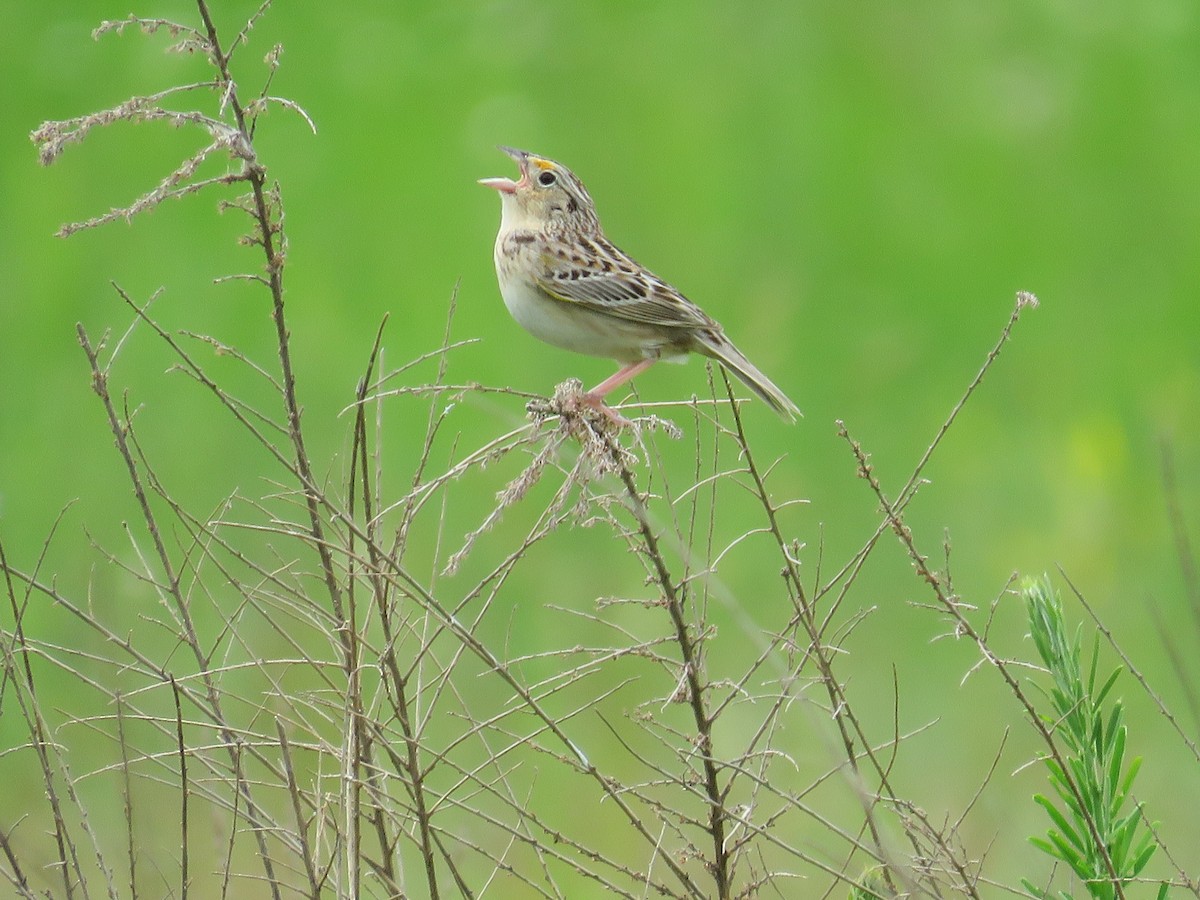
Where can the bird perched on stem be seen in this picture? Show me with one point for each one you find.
(568, 285)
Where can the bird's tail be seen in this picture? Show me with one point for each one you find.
(720, 348)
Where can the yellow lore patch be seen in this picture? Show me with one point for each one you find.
(542, 164)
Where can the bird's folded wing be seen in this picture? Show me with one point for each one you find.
(637, 296)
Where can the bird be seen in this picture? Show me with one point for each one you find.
(568, 285)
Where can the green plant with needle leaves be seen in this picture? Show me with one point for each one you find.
(1104, 847)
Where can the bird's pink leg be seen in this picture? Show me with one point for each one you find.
(595, 397)
(618, 378)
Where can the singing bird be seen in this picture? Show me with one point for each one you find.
(570, 286)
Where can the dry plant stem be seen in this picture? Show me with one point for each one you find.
(127, 792)
(272, 249)
(68, 862)
(240, 411)
(397, 579)
(849, 572)
(184, 792)
(529, 817)
(27, 701)
(816, 632)
(48, 752)
(401, 580)
(17, 877)
(840, 708)
(719, 865)
(1024, 299)
(360, 753)
(965, 628)
(270, 238)
(360, 484)
(228, 868)
(120, 431)
(411, 767)
(1133, 669)
(306, 854)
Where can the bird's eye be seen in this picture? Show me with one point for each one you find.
(547, 178)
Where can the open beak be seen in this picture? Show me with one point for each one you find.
(507, 185)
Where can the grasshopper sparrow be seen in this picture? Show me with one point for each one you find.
(568, 285)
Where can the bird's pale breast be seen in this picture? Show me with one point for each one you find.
(569, 325)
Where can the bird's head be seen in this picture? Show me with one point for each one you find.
(547, 195)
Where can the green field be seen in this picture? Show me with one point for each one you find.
(855, 191)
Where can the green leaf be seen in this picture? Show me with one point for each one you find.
(1090, 780)
(1114, 726)
(1079, 772)
(1071, 737)
(1127, 784)
(1069, 855)
(1031, 888)
(1062, 700)
(1095, 659)
(1112, 679)
(1058, 819)
(1096, 736)
(1115, 794)
(1143, 856)
(1044, 845)
(1121, 838)
(1071, 654)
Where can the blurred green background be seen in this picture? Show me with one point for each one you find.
(855, 190)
